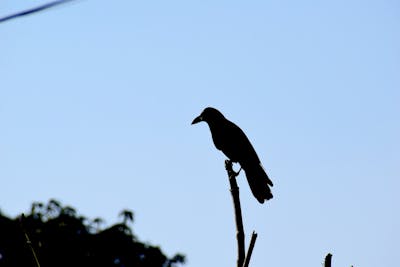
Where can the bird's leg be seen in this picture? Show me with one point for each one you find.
(231, 172)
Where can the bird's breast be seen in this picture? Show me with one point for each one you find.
(225, 142)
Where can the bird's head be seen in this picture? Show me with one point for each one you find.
(209, 115)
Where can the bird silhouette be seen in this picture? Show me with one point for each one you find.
(232, 141)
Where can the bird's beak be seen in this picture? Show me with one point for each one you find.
(197, 120)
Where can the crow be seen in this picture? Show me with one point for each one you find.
(232, 141)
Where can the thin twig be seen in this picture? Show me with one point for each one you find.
(250, 250)
(28, 241)
(34, 10)
(238, 212)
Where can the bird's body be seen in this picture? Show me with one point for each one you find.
(232, 141)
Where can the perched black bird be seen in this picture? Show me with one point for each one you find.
(232, 141)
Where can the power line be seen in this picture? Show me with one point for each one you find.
(34, 10)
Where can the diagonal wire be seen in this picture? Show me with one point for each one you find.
(33, 10)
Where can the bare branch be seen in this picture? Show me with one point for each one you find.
(238, 212)
(328, 260)
(250, 250)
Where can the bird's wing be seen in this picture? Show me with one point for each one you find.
(243, 149)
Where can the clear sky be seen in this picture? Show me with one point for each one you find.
(96, 100)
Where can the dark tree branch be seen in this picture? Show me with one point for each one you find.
(250, 250)
(33, 10)
(238, 212)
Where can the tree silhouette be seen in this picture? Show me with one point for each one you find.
(57, 236)
(96, 224)
(127, 216)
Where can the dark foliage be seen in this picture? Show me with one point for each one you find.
(59, 237)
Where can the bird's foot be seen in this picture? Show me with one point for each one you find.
(237, 173)
(229, 168)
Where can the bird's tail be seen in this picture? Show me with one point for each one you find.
(259, 182)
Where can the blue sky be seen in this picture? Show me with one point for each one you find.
(96, 100)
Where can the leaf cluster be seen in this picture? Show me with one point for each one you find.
(60, 237)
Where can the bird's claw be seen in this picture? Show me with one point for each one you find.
(237, 173)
